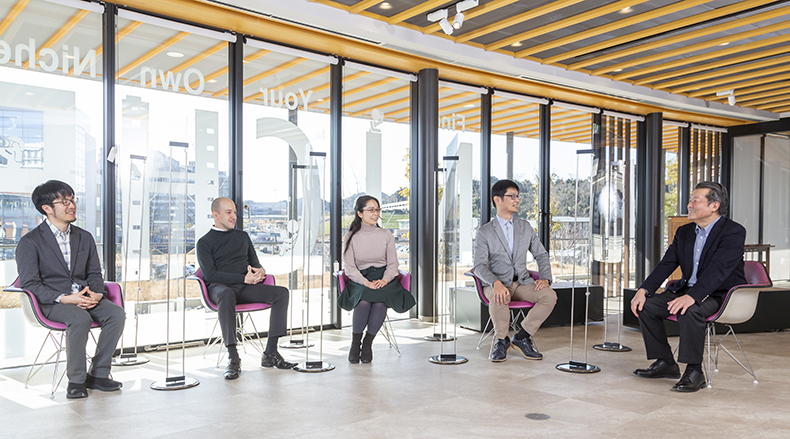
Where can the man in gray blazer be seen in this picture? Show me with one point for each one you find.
(500, 262)
(57, 262)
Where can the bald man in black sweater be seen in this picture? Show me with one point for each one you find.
(232, 274)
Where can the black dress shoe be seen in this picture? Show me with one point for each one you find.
(659, 369)
(103, 384)
(233, 370)
(500, 350)
(276, 360)
(526, 347)
(690, 382)
(76, 391)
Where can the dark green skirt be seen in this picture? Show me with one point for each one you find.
(393, 294)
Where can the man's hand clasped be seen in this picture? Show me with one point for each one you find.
(254, 275)
(85, 298)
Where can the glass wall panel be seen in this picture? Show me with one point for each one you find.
(50, 128)
(376, 152)
(571, 131)
(459, 135)
(286, 118)
(515, 151)
(761, 204)
(172, 136)
(670, 142)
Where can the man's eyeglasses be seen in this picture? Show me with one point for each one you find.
(372, 210)
(66, 202)
(513, 197)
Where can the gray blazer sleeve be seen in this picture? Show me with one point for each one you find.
(481, 258)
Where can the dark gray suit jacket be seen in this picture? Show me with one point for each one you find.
(493, 260)
(43, 271)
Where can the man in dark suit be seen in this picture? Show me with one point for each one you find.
(500, 260)
(709, 252)
(57, 262)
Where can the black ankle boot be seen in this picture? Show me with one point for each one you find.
(367, 349)
(353, 351)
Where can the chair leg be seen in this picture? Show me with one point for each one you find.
(258, 346)
(485, 334)
(55, 380)
(724, 348)
(709, 330)
(30, 373)
(389, 334)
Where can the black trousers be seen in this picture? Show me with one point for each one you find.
(227, 296)
(692, 327)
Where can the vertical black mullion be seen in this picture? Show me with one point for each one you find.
(684, 169)
(427, 148)
(414, 193)
(108, 167)
(485, 157)
(235, 102)
(336, 186)
(654, 201)
(641, 195)
(544, 200)
(761, 199)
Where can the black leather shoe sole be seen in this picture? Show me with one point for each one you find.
(108, 386)
(650, 374)
(77, 393)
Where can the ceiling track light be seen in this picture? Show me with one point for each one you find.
(730, 96)
(458, 21)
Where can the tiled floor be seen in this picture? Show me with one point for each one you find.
(409, 397)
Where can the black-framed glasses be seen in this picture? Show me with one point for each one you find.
(372, 210)
(513, 197)
(66, 201)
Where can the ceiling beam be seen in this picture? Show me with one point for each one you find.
(472, 13)
(60, 33)
(655, 30)
(305, 77)
(516, 19)
(361, 6)
(126, 30)
(577, 18)
(715, 54)
(664, 42)
(731, 82)
(224, 70)
(152, 53)
(619, 24)
(416, 10)
(9, 18)
(728, 72)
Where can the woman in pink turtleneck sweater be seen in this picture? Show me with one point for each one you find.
(371, 264)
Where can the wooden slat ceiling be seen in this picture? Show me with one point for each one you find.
(603, 40)
(693, 48)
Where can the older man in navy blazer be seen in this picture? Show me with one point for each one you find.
(57, 262)
(709, 252)
(500, 260)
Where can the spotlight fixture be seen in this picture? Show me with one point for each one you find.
(458, 21)
(446, 26)
(730, 96)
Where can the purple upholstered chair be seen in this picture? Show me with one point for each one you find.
(32, 312)
(514, 305)
(241, 318)
(404, 277)
(737, 307)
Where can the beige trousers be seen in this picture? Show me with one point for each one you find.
(544, 301)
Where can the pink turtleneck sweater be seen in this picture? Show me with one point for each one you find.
(371, 246)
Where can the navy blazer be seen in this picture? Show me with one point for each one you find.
(720, 265)
(42, 268)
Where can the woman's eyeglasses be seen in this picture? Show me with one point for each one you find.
(372, 210)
